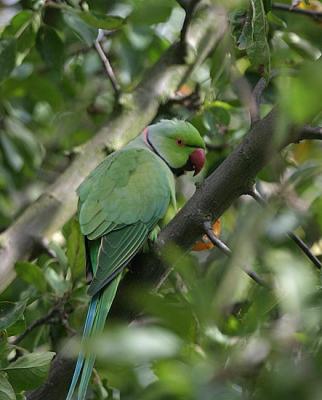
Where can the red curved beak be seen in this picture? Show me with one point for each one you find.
(197, 159)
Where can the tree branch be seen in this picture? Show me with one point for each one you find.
(189, 9)
(58, 203)
(309, 13)
(310, 133)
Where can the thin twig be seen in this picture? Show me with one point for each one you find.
(109, 70)
(226, 250)
(306, 250)
(309, 13)
(296, 239)
(41, 321)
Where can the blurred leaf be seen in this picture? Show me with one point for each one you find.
(142, 11)
(31, 274)
(25, 139)
(301, 46)
(85, 32)
(20, 20)
(10, 312)
(50, 46)
(101, 21)
(21, 27)
(301, 95)
(6, 390)
(7, 57)
(56, 281)
(75, 250)
(136, 344)
(18, 327)
(274, 19)
(11, 153)
(30, 370)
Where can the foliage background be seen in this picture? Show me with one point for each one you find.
(210, 331)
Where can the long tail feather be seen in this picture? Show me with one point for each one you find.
(81, 357)
(97, 313)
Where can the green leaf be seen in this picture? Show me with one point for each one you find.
(274, 19)
(18, 327)
(7, 57)
(57, 281)
(75, 250)
(301, 95)
(6, 390)
(18, 23)
(30, 370)
(31, 274)
(22, 27)
(85, 32)
(50, 46)
(254, 36)
(301, 46)
(143, 14)
(10, 313)
(101, 21)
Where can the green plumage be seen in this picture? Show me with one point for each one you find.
(120, 203)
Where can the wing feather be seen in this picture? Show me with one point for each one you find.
(120, 202)
(113, 256)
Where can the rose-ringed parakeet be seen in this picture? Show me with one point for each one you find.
(120, 203)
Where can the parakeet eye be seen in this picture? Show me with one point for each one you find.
(180, 142)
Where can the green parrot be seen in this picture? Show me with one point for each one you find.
(120, 203)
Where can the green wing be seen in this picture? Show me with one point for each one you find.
(119, 204)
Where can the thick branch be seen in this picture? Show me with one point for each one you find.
(58, 203)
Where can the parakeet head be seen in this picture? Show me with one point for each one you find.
(178, 143)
